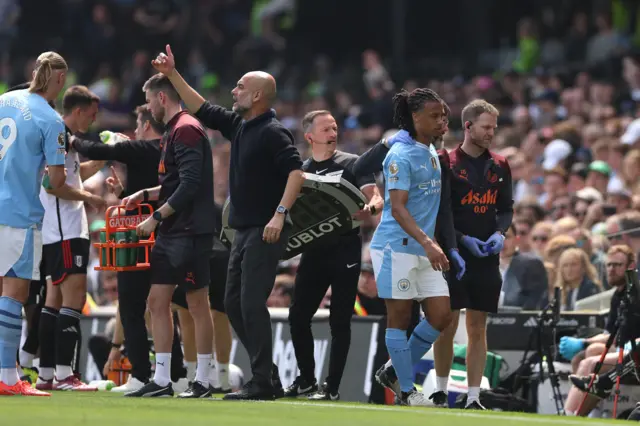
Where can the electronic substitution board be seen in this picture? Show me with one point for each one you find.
(323, 209)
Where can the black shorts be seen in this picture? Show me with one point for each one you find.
(66, 258)
(218, 265)
(182, 261)
(37, 292)
(479, 288)
(38, 289)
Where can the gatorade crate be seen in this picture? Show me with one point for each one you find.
(119, 245)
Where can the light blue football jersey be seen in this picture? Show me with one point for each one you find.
(414, 168)
(31, 134)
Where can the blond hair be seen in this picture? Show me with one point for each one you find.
(556, 246)
(476, 108)
(46, 63)
(565, 226)
(588, 269)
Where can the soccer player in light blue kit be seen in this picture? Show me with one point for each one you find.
(32, 134)
(407, 261)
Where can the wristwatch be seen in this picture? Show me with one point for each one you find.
(373, 210)
(282, 210)
(116, 345)
(157, 216)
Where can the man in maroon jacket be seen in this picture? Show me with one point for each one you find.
(180, 256)
(482, 206)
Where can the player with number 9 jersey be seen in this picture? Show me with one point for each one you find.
(31, 135)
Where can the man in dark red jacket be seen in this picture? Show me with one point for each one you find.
(482, 206)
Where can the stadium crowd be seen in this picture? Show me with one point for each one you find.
(570, 133)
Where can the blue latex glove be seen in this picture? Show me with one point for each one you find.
(475, 246)
(495, 243)
(458, 261)
(570, 346)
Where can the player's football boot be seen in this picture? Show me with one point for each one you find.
(601, 388)
(439, 399)
(196, 390)
(324, 394)
(301, 386)
(152, 390)
(44, 385)
(21, 388)
(387, 377)
(413, 398)
(72, 383)
(29, 374)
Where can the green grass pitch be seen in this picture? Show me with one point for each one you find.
(105, 409)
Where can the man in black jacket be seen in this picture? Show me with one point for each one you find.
(264, 181)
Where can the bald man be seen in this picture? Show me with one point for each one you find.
(265, 178)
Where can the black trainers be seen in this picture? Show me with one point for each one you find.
(440, 399)
(602, 385)
(474, 405)
(278, 392)
(251, 392)
(220, 390)
(152, 390)
(301, 386)
(387, 377)
(196, 390)
(324, 394)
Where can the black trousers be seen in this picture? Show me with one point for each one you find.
(250, 279)
(133, 290)
(337, 266)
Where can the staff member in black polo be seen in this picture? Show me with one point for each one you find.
(265, 179)
(334, 262)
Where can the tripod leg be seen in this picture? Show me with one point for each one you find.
(597, 368)
(554, 382)
(619, 366)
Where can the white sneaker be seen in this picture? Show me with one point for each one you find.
(132, 385)
(181, 385)
(417, 399)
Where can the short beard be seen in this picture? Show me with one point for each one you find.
(240, 110)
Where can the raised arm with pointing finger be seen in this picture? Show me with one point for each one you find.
(213, 116)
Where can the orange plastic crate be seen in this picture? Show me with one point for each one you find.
(120, 222)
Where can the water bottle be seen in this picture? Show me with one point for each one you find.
(103, 385)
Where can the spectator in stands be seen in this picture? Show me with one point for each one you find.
(625, 228)
(523, 231)
(577, 277)
(524, 276)
(539, 237)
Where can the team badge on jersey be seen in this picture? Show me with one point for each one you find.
(61, 139)
(393, 168)
(434, 163)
